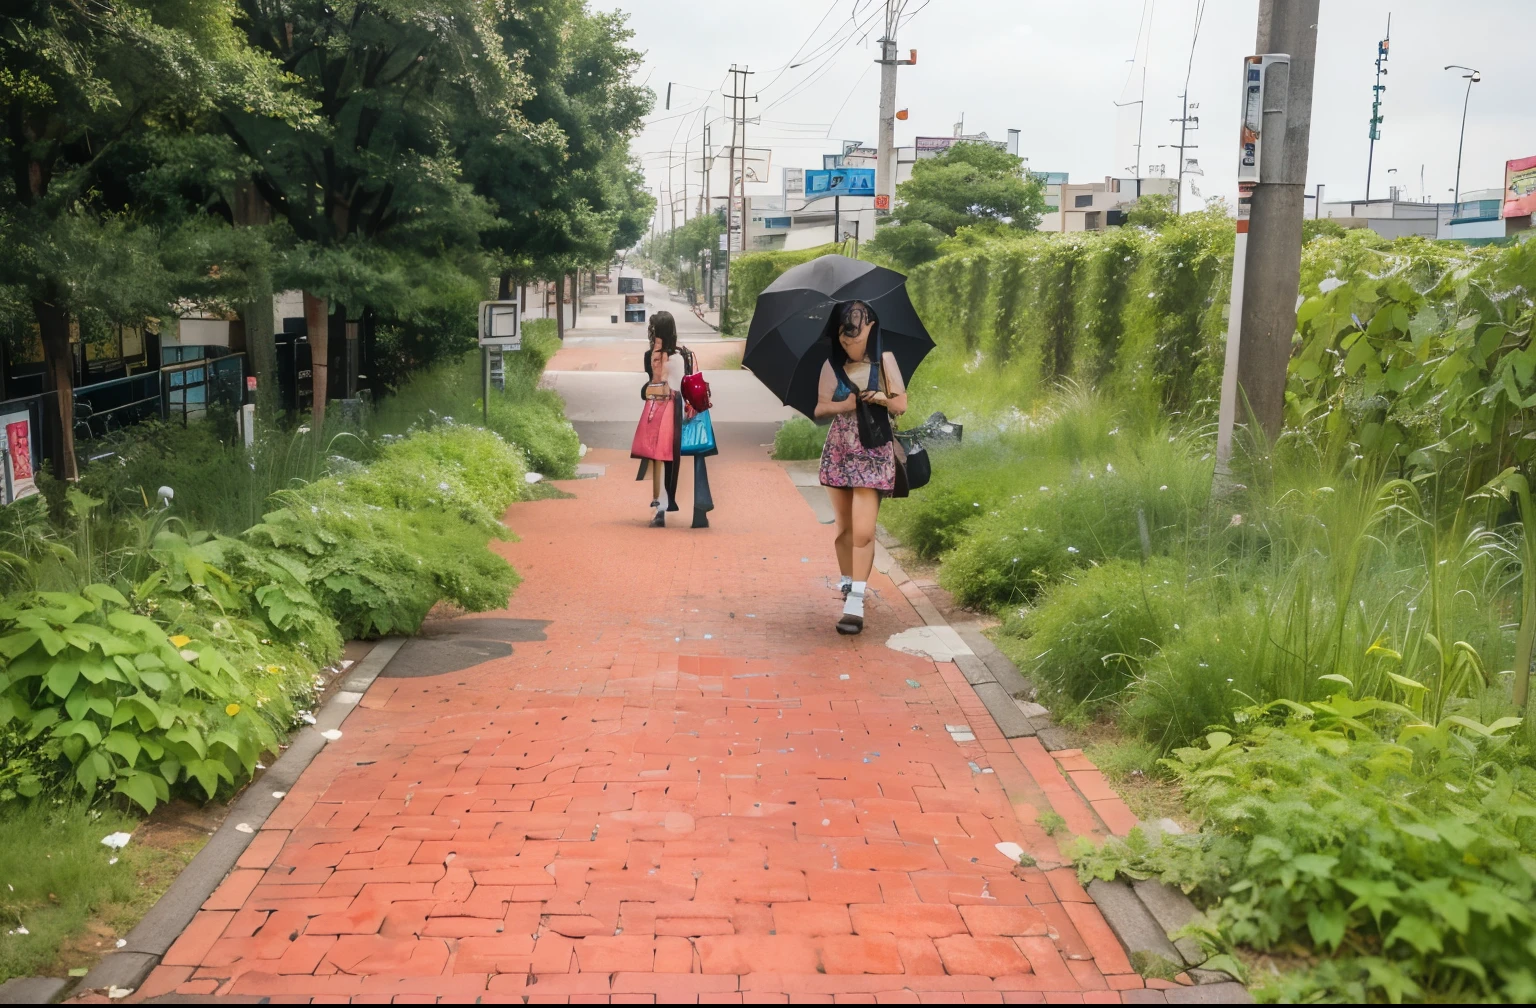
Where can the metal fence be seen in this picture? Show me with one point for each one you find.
(181, 391)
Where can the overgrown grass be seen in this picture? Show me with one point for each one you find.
(57, 876)
(799, 439)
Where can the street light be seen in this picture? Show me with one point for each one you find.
(1471, 77)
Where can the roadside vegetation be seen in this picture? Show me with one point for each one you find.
(159, 649)
(1324, 653)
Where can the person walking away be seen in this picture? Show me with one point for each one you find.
(659, 435)
(861, 390)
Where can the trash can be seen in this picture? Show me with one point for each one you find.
(614, 319)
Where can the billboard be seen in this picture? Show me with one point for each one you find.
(1520, 187)
(839, 182)
(928, 147)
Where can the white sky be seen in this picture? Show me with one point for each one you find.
(1054, 70)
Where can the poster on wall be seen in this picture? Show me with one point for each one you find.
(19, 478)
(1520, 187)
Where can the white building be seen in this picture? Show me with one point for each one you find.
(1094, 206)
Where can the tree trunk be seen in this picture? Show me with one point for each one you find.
(504, 288)
(59, 363)
(250, 210)
(560, 306)
(317, 323)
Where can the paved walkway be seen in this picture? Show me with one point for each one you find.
(679, 785)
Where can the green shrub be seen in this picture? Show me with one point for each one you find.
(1088, 635)
(383, 545)
(799, 439)
(133, 709)
(1398, 851)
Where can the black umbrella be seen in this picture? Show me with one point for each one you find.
(790, 335)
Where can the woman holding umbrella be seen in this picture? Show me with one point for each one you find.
(860, 389)
(838, 337)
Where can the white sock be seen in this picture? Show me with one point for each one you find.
(855, 604)
(662, 502)
(846, 582)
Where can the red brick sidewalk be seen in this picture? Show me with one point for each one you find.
(694, 790)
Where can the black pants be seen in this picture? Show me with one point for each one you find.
(703, 500)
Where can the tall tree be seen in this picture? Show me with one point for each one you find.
(371, 185)
(970, 185)
(78, 81)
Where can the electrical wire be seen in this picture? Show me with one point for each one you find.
(824, 68)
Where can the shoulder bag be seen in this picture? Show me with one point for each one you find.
(695, 388)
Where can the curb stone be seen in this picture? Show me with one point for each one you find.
(153, 936)
(31, 990)
(1143, 915)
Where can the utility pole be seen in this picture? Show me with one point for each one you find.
(1183, 145)
(1376, 90)
(885, 156)
(1272, 176)
(735, 206)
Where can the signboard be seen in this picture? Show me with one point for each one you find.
(928, 147)
(770, 223)
(20, 480)
(882, 202)
(500, 326)
(839, 182)
(1520, 187)
(1250, 138)
(794, 180)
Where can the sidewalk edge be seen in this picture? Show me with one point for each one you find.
(1126, 917)
(153, 936)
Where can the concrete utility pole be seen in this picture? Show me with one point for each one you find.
(1267, 280)
(736, 209)
(885, 157)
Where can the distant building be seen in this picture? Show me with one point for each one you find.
(1094, 206)
(1476, 218)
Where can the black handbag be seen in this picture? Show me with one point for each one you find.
(912, 467)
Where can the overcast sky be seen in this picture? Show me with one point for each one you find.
(1055, 70)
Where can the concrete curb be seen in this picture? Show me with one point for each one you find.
(1144, 916)
(148, 942)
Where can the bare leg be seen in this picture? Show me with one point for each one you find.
(655, 481)
(842, 508)
(865, 512)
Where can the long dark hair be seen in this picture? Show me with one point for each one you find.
(664, 328)
(844, 321)
(874, 420)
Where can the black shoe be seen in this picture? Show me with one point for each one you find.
(850, 624)
(660, 521)
(846, 589)
(700, 519)
(656, 503)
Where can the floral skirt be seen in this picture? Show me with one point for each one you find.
(845, 462)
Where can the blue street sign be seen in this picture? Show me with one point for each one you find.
(839, 182)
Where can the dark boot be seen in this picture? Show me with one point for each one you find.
(700, 519)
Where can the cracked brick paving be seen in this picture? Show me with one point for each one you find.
(694, 790)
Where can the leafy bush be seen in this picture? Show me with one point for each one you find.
(385, 544)
(1400, 851)
(130, 706)
(799, 439)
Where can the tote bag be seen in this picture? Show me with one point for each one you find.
(653, 435)
(698, 435)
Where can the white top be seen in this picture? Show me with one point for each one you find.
(673, 372)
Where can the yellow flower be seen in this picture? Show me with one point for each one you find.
(232, 709)
(181, 640)
(273, 669)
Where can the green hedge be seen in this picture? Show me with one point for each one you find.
(752, 272)
(1135, 313)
